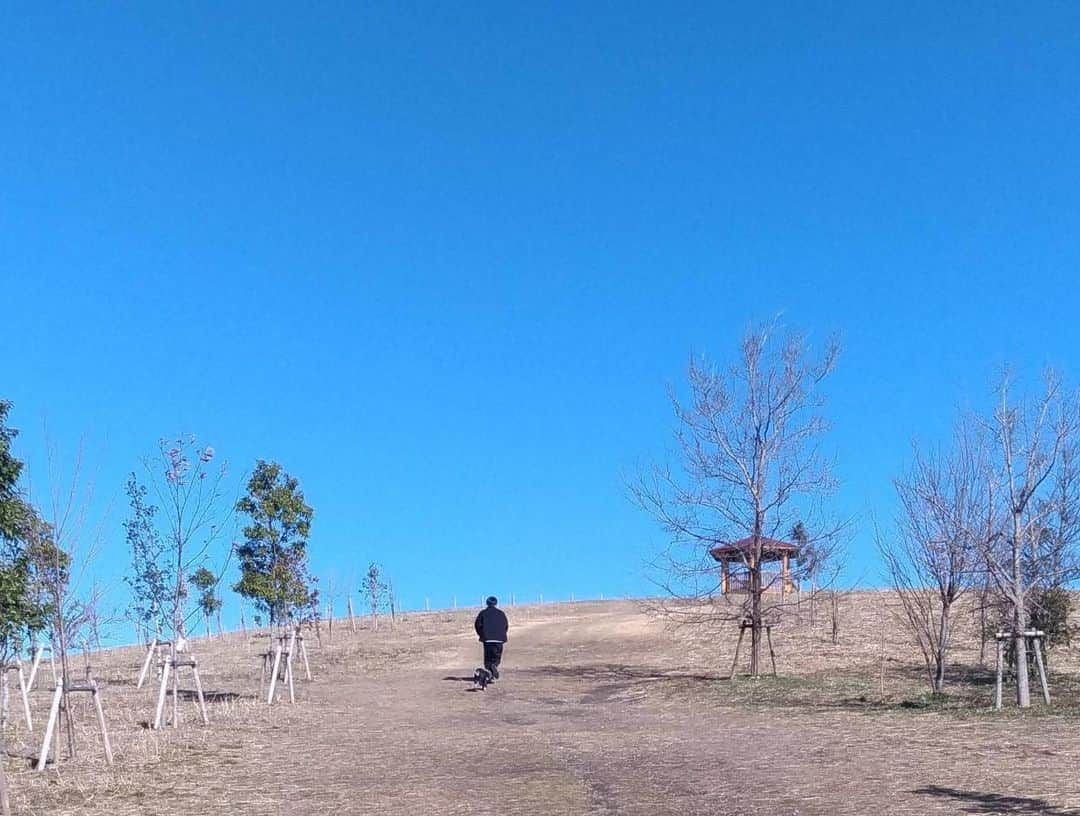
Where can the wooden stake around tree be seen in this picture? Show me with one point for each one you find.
(89, 687)
(172, 664)
(38, 652)
(4, 671)
(1035, 636)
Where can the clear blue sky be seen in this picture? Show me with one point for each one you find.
(442, 260)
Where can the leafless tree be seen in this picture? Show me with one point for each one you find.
(932, 557)
(1030, 480)
(748, 441)
(64, 544)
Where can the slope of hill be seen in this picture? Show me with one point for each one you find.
(602, 709)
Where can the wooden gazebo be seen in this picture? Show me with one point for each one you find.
(737, 557)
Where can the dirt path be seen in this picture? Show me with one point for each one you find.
(594, 715)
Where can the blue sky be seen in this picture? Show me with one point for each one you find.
(441, 261)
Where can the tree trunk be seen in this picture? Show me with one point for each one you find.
(942, 645)
(835, 618)
(755, 619)
(1023, 691)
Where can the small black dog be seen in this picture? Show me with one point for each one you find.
(481, 678)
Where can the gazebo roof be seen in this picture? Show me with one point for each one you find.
(742, 547)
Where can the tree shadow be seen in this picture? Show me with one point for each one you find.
(216, 696)
(976, 802)
(620, 672)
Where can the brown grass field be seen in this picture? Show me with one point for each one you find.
(601, 710)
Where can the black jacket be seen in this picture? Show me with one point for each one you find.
(491, 624)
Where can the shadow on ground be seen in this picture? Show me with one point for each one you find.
(976, 802)
(618, 672)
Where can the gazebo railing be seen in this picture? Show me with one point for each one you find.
(771, 581)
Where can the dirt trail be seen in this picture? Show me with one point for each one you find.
(595, 714)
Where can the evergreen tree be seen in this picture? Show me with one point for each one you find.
(273, 559)
(205, 582)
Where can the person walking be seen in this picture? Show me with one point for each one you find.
(492, 629)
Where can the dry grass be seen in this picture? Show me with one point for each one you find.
(602, 710)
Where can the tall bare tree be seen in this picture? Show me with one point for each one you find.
(748, 440)
(1029, 475)
(64, 543)
(932, 557)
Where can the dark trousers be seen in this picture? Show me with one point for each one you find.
(492, 656)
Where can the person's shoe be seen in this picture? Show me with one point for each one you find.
(494, 672)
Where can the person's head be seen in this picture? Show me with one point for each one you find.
(492, 600)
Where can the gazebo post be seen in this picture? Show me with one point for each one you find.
(724, 576)
(785, 574)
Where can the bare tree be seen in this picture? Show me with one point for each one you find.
(63, 545)
(932, 557)
(1030, 487)
(751, 468)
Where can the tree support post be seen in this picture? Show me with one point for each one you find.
(146, 663)
(89, 687)
(17, 668)
(1035, 636)
(54, 713)
(172, 667)
(1000, 670)
(39, 650)
(1035, 642)
(274, 674)
(738, 644)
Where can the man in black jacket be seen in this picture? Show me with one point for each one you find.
(492, 628)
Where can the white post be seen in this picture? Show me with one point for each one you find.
(274, 673)
(303, 653)
(160, 712)
(5, 696)
(54, 711)
(146, 663)
(25, 696)
(33, 669)
(101, 721)
(199, 692)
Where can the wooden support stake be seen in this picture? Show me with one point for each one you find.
(199, 691)
(997, 684)
(175, 695)
(101, 721)
(289, 679)
(25, 696)
(307, 666)
(54, 713)
(34, 667)
(146, 663)
(161, 695)
(274, 674)
(1042, 670)
(738, 644)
